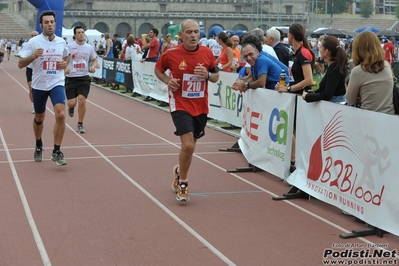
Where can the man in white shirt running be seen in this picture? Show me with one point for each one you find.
(49, 55)
(77, 85)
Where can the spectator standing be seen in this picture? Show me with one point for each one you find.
(152, 46)
(257, 32)
(371, 78)
(188, 110)
(332, 85)
(167, 44)
(214, 46)
(301, 75)
(236, 53)
(273, 39)
(133, 52)
(203, 41)
(389, 49)
(225, 60)
(117, 46)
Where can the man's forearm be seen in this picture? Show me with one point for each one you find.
(23, 62)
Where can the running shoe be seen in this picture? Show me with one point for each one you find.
(71, 111)
(81, 129)
(38, 155)
(33, 109)
(182, 194)
(58, 158)
(176, 177)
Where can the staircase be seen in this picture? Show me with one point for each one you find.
(13, 28)
(353, 23)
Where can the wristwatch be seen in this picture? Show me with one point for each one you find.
(209, 75)
(289, 88)
(247, 85)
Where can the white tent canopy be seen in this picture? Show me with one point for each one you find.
(91, 35)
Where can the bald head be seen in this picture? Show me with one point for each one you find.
(235, 40)
(33, 34)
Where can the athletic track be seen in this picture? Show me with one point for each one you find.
(113, 204)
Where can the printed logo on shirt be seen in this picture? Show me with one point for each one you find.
(182, 65)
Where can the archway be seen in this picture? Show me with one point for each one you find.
(240, 27)
(145, 28)
(164, 31)
(78, 23)
(102, 27)
(123, 29)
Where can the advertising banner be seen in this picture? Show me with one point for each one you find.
(267, 129)
(146, 83)
(348, 157)
(225, 104)
(118, 71)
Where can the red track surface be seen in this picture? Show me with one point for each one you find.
(113, 203)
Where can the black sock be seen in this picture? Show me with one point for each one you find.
(39, 143)
(292, 162)
(80, 123)
(56, 148)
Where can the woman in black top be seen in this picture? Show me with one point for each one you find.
(332, 85)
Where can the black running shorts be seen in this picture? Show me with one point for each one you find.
(77, 85)
(186, 123)
(28, 74)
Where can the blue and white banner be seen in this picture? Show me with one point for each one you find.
(267, 129)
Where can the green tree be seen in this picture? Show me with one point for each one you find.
(366, 8)
(3, 6)
(333, 6)
(397, 9)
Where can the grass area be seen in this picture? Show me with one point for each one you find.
(317, 79)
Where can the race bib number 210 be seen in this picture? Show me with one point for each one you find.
(193, 87)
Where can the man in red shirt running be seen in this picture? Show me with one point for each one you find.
(191, 66)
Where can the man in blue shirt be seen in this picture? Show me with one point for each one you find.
(265, 72)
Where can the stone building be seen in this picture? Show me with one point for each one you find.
(139, 16)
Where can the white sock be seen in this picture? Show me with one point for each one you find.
(183, 180)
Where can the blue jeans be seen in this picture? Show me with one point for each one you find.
(338, 99)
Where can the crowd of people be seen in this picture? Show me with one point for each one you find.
(259, 58)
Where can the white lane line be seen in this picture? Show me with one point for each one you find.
(242, 179)
(163, 207)
(196, 155)
(25, 204)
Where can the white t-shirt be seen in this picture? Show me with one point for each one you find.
(103, 42)
(215, 47)
(268, 49)
(133, 52)
(46, 74)
(204, 41)
(80, 58)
